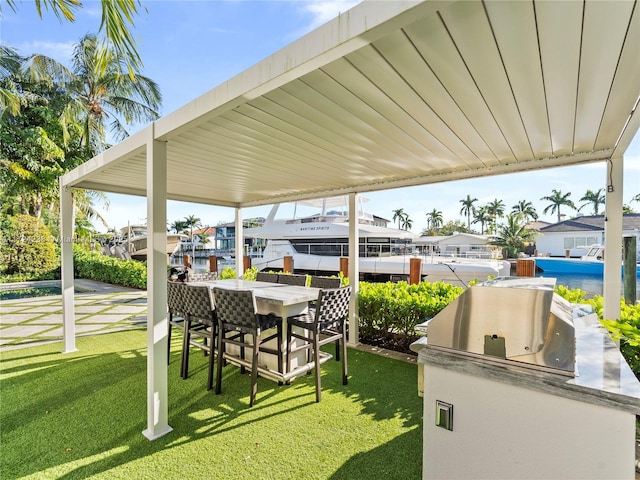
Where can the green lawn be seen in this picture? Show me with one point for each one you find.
(81, 415)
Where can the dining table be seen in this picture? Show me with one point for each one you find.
(281, 300)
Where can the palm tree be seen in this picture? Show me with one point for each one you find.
(514, 234)
(557, 199)
(482, 217)
(192, 222)
(203, 238)
(178, 226)
(434, 219)
(399, 215)
(102, 95)
(526, 208)
(594, 198)
(495, 208)
(407, 223)
(117, 19)
(468, 209)
(636, 198)
(10, 94)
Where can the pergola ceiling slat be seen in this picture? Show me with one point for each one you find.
(463, 141)
(559, 31)
(602, 33)
(432, 40)
(624, 90)
(514, 27)
(471, 32)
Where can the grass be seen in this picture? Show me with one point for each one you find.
(81, 415)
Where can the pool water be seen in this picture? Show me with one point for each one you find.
(29, 292)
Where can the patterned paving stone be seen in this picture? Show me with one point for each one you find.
(13, 318)
(27, 321)
(25, 330)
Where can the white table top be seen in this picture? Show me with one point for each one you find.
(272, 292)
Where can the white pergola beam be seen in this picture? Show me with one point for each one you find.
(612, 280)
(67, 282)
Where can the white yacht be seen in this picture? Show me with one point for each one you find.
(132, 243)
(317, 242)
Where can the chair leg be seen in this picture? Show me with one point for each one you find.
(280, 352)
(344, 356)
(221, 348)
(184, 372)
(254, 368)
(289, 340)
(316, 359)
(212, 354)
(242, 369)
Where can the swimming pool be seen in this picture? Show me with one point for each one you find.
(12, 291)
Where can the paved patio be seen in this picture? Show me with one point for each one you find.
(99, 307)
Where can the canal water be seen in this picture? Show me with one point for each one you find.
(591, 284)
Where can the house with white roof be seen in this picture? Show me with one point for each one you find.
(570, 236)
(458, 245)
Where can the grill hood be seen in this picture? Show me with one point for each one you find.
(510, 319)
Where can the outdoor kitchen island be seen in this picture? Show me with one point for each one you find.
(519, 383)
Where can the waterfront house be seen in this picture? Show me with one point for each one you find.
(569, 236)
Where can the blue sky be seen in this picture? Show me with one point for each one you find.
(190, 47)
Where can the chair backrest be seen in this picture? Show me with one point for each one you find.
(293, 279)
(267, 277)
(202, 276)
(333, 305)
(175, 297)
(197, 303)
(236, 307)
(325, 282)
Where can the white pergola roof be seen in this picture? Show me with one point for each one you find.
(393, 94)
(389, 94)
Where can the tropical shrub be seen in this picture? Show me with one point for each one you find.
(95, 266)
(390, 311)
(27, 247)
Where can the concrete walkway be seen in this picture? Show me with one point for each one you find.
(99, 308)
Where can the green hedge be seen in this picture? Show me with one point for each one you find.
(388, 309)
(95, 266)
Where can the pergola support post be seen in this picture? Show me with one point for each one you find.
(67, 281)
(239, 244)
(157, 322)
(354, 269)
(612, 280)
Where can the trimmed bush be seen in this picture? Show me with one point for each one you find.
(95, 266)
(28, 248)
(390, 311)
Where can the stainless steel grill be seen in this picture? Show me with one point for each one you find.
(514, 320)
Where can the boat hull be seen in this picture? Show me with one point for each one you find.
(444, 269)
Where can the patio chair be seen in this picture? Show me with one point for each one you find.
(293, 279)
(267, 277)
(202, 276)
(237, 319)
(176, 312)
(325, 325)
(325, 282)
(200, 327)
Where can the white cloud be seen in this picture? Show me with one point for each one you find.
(60, 51)
(325, 10)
